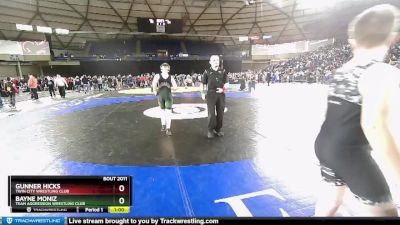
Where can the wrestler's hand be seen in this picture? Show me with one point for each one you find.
(220, 90)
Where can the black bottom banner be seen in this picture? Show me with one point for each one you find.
(231, 221)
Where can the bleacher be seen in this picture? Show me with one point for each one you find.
(150, 47)
(114, 48)
(204, 48)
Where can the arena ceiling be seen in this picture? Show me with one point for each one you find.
(221, 21)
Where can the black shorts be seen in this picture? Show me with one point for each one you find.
(354, 167)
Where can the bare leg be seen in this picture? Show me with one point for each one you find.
(330, 199)
(163, 119)
(168, 115)
(384, 209)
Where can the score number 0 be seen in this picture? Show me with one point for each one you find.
(121, 200)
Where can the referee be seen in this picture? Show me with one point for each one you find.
(214, 85)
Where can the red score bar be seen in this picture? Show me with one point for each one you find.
(106, 188)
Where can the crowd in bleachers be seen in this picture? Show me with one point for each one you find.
(312, 67)
(123, 48)
(317, 66)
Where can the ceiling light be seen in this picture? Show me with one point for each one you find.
(249, 2)
(255, 37)
(243, 38)
(267, 37)
(24, 27)
(44, 29)
(62, 31)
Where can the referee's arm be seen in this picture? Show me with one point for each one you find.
(203, 85)
(226, 81)
(174, 85)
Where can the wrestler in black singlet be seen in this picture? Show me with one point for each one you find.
(341, 146)
(164, 92)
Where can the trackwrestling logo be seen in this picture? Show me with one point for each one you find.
(34, 220)
(181, 111)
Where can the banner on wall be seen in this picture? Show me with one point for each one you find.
(35, 47)
(10, 47)
(24, 50)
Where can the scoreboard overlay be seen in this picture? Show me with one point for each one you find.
(86, 194)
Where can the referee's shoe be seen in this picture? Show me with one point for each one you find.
(219, 133)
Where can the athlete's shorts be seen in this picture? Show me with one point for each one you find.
(165, 101)
(358, 170)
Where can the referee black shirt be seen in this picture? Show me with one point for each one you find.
(214, 79)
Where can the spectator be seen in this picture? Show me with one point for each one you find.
(33, 86)
(62, 84)
(11, 91)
